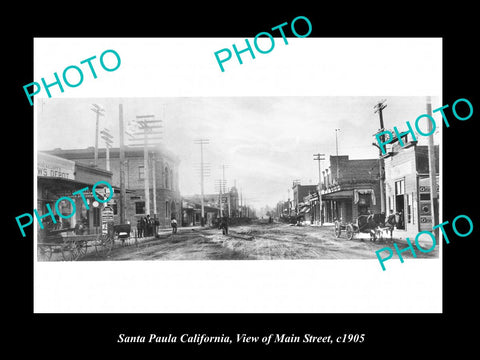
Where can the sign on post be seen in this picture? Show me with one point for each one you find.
(107, 218)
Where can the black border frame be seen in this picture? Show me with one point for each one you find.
(412, 333)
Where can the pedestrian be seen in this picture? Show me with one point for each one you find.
(173, 223)
(140, 227)
(148, 226)
(401, 222)
(224, 225)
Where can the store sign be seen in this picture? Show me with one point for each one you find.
(400, 170)
(54, 166)
(426, 189)
(107, 217)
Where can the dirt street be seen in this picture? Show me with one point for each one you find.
(252, 242)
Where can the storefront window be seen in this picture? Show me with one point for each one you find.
(409, 208)
(115, 208)
(140, 207)
(363, 204)
(400, 187)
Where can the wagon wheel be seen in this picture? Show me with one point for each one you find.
(44, 252)
(350, 231)
(69, 252)
(108, 243)
(338, 229)
(104, 241)
(80, 248)
(98, 243)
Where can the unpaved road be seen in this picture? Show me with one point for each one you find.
(256, 241)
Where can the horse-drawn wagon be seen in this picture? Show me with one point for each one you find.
(74, 247)
(372, 224)
(56, 241)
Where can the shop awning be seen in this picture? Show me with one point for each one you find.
(342, 194)
(358, 192)
(65, 187)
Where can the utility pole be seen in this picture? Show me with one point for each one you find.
(100, 112)
(202, 142)
(224, 182)
(150, 136)
(145, 171)
(319, 157)
(432, 170)
(154, 187)
(235, 204)
(108, 138)
(288, 202)
(122, 166)
(220, 185)
(229, 205)
(379, 108)
(247, 212)
(336, 147)
(241, 202)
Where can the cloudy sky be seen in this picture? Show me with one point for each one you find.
(266, 142)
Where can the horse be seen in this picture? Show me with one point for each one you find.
(375, 224)
(381, 224)
(391, 224)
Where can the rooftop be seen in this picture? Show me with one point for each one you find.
(113, 153)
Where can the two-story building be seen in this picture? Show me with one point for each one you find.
(299, 203)
(165, 200)
(349, 188)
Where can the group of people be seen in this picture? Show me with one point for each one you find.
(145, 226)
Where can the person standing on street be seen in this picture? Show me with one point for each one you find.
(173, 223)
(148, 226)
(224, 225)
(140, 227)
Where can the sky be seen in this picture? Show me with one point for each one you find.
(265, 142)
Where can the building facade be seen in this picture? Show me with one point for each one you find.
(299, 193)
(407, 188)
(349, 188)
(165, 200)
(59, 178)
(229, 204)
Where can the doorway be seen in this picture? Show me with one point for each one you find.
(400, 204)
